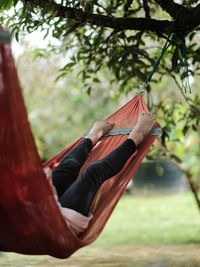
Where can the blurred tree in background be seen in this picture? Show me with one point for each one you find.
(116, 43)
(60, 112)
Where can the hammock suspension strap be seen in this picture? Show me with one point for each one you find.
(184, 62)
(126, 131)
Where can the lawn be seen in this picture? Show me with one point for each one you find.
(156, 231)
(147, 220)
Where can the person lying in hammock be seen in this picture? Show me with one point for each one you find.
(75, 196)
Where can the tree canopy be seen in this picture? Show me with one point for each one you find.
(126, 36)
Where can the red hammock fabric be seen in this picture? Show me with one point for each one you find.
(31, 222)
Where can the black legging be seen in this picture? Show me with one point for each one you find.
(78, 194)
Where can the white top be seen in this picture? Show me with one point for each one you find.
(76, 222)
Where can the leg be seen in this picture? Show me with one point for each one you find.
(81, 193)
(67, 171)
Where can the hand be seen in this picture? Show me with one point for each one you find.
(48, 173)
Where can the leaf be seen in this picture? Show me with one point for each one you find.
(175, 58)
(89, 90)
(194, 128)
(62, 75)
(15, 2)
(15, 31)
(163, 138)
(5, 5)
(96, 80)
(68, 66)
(173, 156)
(17, 36)
(159, 169)
(185, 129)
(192, 35)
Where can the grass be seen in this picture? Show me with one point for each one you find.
(161, 231)
(147, 220)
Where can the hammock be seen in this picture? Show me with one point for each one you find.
(31, 222)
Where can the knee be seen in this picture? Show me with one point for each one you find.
(103, 168)
(96, 173)
(71, 165)
(91, 174)
(92, 169)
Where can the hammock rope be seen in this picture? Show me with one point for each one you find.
(184, 61)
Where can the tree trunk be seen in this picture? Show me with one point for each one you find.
(189, 178)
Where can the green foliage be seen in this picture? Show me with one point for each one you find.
(179, 141)
(128, 55)
(5, 5)
(60, 112)
(189, 3)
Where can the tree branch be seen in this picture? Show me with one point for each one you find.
(185, 24)
(186, 19)
(170, 7)
(194, 18)
(146, 9)
(127, 6)
(141, 24)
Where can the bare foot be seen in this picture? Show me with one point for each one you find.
(143, 127)
(98, 130)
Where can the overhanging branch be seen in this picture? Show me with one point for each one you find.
(186, 23)
(140, 24)
(187, 19)
(170, 7)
